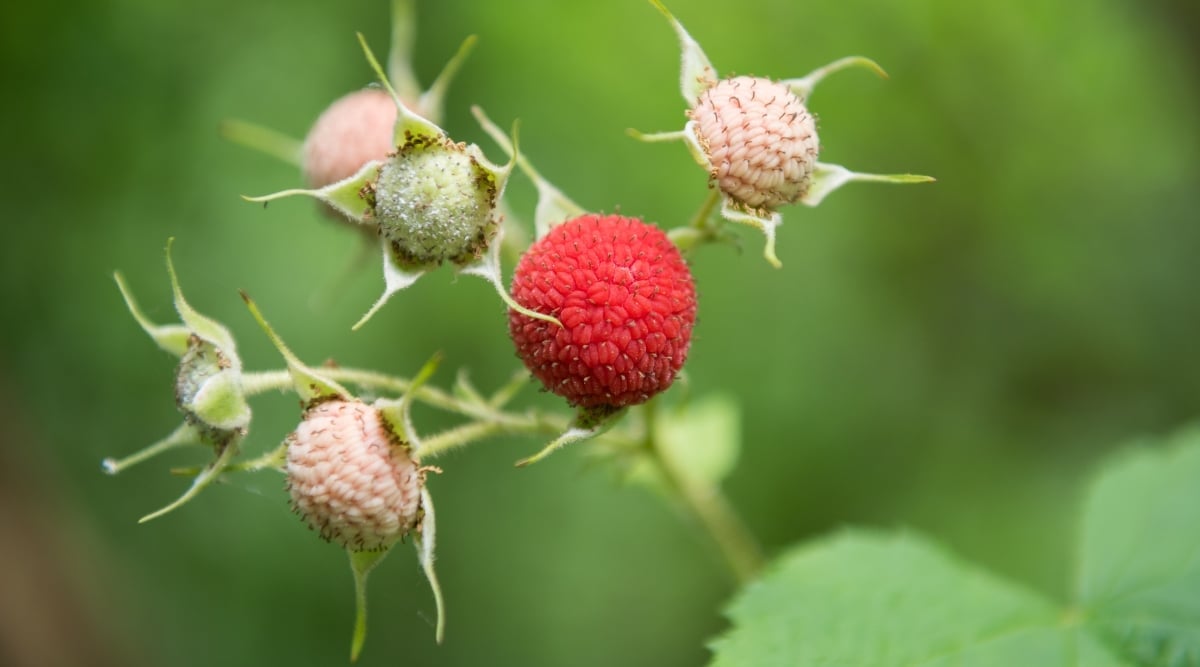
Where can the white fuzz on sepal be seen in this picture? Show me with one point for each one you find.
(431, 201)
(209, 389)
(354, 474)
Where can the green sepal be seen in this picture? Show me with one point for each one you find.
(206, 328)
(588, 423)
(350, 196)
(424, 541)
(655, 137)
(829, 177)
(403, 44)
(308, 383)
(431, 101)
(172, 338)
(227, 449)
(361, 564)
(803, 86)
(488, 268)
(408, 122)
(221, 402)
(396, 276)
(398, 412)
(697, 73)
(184, 434)
(553, 207)
(766, 222)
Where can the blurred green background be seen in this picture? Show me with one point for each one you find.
(952, 357)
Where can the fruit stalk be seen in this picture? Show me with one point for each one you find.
(711, 508)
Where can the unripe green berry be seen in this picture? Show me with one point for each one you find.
(760, 141)
(434, 202)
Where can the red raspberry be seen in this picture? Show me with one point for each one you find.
(627, 303)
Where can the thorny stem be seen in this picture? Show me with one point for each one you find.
(706, 501)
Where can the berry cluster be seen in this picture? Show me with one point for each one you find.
(601, 307)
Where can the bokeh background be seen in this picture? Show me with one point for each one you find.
(952, 358)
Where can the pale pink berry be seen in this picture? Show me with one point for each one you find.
(760, 140)
(353, 131)
(351, 478)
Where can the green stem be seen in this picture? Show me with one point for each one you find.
(264, 381)
(458, 436)
(699, 230)
(506, 393)
(490, 419)
(272, 459)
(257, 383)
(700, 220)
(709, 505)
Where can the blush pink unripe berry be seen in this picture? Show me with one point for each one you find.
(351, 478)
(353, 131)
(760, 140)
(627, 304)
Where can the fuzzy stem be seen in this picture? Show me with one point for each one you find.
(703, 499)
(257, 383)
(699, 230)
(506, 393)
(274, 459)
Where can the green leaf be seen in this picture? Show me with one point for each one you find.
(873, 599)
(866, 599)
(1139, 583)
(702, 438)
